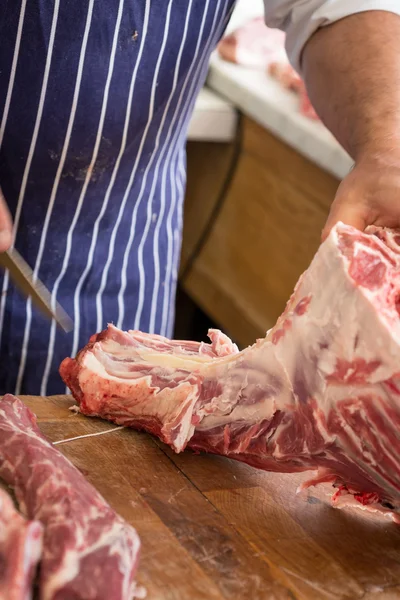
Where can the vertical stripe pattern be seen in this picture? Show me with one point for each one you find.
(33, 139)
(25, 342)
(89, 172)
(95, 101)
(172, 127)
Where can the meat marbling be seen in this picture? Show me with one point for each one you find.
(89, 552)
(320, 392)
(20, 551)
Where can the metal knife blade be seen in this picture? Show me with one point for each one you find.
(22, 275)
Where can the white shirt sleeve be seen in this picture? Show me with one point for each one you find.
(301, 18)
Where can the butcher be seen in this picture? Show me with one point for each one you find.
(95, 101)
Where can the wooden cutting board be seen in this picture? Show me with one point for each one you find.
(215, 529)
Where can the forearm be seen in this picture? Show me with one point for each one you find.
(352, 73)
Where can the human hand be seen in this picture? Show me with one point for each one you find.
(6, 234)
(369, 195)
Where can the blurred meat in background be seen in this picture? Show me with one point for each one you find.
(257, 46)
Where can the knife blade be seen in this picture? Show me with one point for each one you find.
(22, 275)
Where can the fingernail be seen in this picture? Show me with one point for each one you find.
(5, 239)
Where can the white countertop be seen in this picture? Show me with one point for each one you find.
(262, 98)
(214, 118)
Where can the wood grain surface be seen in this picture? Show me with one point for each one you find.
(212, 528)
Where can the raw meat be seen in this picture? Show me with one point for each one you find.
(256, 45)
(321, 391)
(253, 44)
(89, 552)
(20, 551)
(290, 80)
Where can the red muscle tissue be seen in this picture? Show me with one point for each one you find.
(89, 552)
(20, 551)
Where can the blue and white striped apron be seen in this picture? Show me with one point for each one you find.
(95, 100)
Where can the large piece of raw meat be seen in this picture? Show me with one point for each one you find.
(20, 551)
(321, 391)
(89, 552)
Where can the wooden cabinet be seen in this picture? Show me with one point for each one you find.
(209, 165)
(262, 238)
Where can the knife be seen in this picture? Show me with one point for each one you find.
(22, 275)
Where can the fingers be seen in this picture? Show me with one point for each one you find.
(368, 195)
(346, 213)
(6, 233)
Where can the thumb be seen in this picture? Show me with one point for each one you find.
(6, 232)
(347, 214)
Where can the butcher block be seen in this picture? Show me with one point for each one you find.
(212, 528)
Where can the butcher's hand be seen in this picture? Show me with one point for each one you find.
(5, 225)
(352, 73)
(369, 195)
